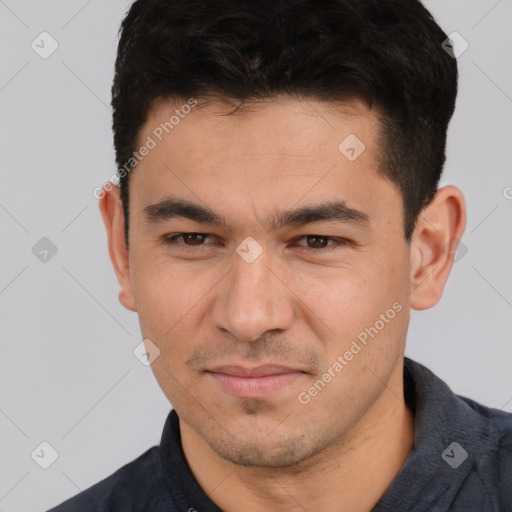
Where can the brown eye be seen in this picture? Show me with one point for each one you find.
(188, 239)
(194, 238)
(317, 242)
(321, 243)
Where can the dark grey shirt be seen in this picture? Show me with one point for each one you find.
(461, 461)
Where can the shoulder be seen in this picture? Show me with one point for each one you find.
(494, 428)
(490, 451)
(453, 425)
(129, 488)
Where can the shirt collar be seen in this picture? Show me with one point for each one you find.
(444, 433)
(184, 488)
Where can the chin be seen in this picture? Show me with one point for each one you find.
(263, 454)
(275, 446)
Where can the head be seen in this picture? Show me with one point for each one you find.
(278, 203)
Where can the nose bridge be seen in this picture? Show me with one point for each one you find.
(252, 278)
(252, 300)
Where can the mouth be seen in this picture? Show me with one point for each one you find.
(256, 382)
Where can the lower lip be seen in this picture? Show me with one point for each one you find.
(255, 387)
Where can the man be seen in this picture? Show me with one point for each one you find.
(277, 218)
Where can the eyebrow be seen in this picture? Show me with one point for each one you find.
(338, 211)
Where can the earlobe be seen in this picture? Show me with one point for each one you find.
(438, 231)
(113, 217)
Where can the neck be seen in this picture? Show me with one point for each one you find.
(351, 475)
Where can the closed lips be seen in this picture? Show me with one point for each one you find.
(259, 371)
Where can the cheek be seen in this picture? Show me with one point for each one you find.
(340, 297)
(349, 300)
(170, 305)
(158, 305)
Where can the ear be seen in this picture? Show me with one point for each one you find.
(113, 218)
(437, 234)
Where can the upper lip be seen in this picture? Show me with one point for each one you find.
(257, 371)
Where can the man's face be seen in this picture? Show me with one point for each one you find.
(267, 288)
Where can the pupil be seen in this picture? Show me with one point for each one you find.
(316, 245)
(193, 237)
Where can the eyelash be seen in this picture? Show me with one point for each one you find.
(340, 242)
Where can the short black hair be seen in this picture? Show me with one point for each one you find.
(387, 52)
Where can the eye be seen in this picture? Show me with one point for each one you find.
(189, 239)
(320, 242)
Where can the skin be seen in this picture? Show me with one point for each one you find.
(203, 305)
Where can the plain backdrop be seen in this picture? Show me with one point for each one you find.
(68, 375)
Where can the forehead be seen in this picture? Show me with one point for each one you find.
(283, 116)
(275, 153)
(273, 134)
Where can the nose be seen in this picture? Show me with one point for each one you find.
(253, 299)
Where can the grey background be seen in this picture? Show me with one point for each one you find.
(67, 372)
